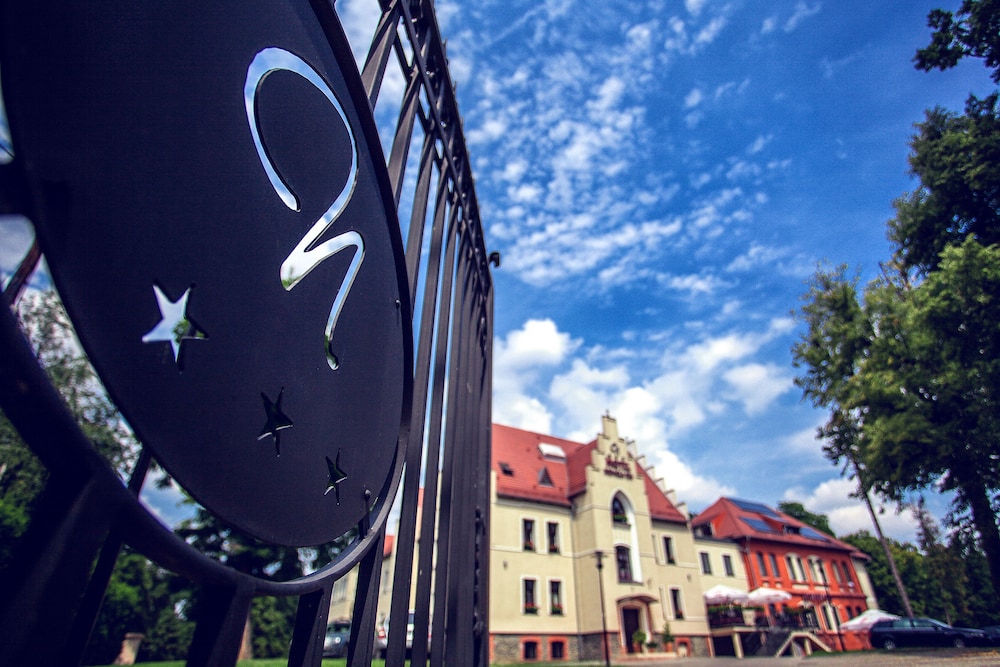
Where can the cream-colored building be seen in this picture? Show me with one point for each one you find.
(559, 508)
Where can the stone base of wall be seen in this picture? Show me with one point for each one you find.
(580, 648)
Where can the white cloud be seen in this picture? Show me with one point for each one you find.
(801, 12)
(693, 98)
(538, 342)
(757, 385)
(848, 515)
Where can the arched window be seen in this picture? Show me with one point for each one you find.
(618, 513)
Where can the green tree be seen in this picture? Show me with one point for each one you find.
(798, 511)
(974, 30)
(947, 595)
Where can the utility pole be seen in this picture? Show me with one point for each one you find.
(599, 555)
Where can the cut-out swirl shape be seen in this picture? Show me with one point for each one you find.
(307, 255)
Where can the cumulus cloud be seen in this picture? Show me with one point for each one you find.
(848, 515)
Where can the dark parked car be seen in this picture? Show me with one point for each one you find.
(338, 634)
(923, 632)
(993, 634)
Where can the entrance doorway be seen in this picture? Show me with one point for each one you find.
(630, 623)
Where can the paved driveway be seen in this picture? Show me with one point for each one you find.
(969, 657)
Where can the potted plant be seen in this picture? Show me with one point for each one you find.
(668, 638)
(557, 609)
(638, 640)
(530, 608)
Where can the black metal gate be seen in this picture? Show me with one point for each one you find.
(208, 187)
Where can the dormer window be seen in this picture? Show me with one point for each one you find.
(543, 478)
(506, 469)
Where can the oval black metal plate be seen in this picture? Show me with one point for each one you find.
(131, 125)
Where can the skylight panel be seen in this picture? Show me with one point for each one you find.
(552, 451)
(506, 469)
(813, 534)
(758, 524)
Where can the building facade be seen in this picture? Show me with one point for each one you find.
(587, 547)
(589, 552)
(824, 578)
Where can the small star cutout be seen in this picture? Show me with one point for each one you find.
(277, 420)
(175, 326)
(337, 475)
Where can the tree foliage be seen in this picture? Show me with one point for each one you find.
(972, 31)
(909, 366)
(798, 511)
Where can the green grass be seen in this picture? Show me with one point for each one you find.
(275, 662)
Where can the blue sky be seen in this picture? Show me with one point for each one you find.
(661, 178)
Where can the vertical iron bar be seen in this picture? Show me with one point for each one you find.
(90, 607)
(418, 215)
(428, 524)
(310, 628)
(359, 650)
(442, 575)
(406, 539)
(50, 571)
(404, 134)
(378, 54)
(222, 618)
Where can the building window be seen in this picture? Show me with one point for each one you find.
(706, 563)
(506, 469)
(555, 598)
(761, 564)
(623, 559)
(530, 650)
(552, 529)
(727, 565)
(774, 565)
(557, 650)
(528, 534)
(795, 570)
(677, 603)
(543, 477)
(835, 566)
(530, 603)
(339, 590)
(818, 571)
(618, 514)
(847, 574)
(668, 550)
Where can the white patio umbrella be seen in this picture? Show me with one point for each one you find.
(764, 595)
(866, 620)
(722, 594)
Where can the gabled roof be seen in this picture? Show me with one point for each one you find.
(734, 518)
(523, 459)
(522, 466)
(660, 506)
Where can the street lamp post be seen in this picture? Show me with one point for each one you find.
(599, 555)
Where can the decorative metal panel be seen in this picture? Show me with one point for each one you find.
(207, 185)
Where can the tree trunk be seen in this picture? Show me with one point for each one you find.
(985, 522)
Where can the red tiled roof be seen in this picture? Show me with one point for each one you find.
(660, 506)
(741, 519)
(578, 462)
(518, 451)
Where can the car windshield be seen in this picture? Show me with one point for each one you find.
(339, 627)
(938, 623)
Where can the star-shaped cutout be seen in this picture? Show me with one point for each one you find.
(337, 475)
(175, 326)
(277, 420)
